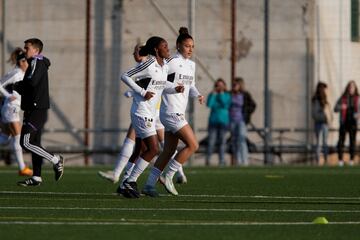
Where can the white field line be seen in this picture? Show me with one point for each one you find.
(187, 223)
(183, 209)
(190, 195)
(74, 170)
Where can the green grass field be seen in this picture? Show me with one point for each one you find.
(217, 203)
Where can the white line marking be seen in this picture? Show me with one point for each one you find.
(191, 195)
(183, 209)
(187, 223)
(58, 193)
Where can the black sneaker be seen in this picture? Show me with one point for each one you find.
(131, 190)
(29, 182)
(59, 169)
(122, 191)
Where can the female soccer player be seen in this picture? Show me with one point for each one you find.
(10, 111)
(147, 80)
(172, 115)
(129, 142)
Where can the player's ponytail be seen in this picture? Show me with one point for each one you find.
(150, 46)
(16, 55)
(183, 35)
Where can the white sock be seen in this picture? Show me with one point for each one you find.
(4, 139)
(125, 153)
(36, 178)
(128, 169)
(181, 171)
(55, 159)
(139, 168)
(15, 146)
(153, 176)
(172, 168)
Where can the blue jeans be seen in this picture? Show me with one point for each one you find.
(238, 142)
(216, 134)
(321, 133)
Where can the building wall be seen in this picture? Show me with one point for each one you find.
(337, 60)
(118, 25)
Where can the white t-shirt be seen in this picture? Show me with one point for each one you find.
(147, 76)
(181, 72)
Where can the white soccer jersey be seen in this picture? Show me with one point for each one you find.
(181, 72)
(11, 77)
(147, 76)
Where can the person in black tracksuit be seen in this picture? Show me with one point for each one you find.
(35, 102)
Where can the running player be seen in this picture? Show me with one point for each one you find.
(129, 142)
(172, 115)
(10, 111)
(147, 80)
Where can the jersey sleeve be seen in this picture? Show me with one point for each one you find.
(170, 85)
(9, 78)
(194, 92)
(4, 92)
(141, 71)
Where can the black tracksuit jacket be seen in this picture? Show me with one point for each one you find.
(34, 89)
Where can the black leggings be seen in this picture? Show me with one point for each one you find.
(30, 140)
(344, 128)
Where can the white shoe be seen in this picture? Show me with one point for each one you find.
(341, 163)
(168, 184)
(109, 175)
(351, 163)
(181, 178)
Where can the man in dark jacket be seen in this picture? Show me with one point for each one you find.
(34, 91)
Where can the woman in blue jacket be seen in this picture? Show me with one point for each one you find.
(219, 101)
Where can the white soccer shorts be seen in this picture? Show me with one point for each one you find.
(10, 111)
(173, 122)
(158, 124)
(144, 125)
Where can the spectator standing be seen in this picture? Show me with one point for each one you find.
(348, 108)
(322, 116)
(242, 106)
(219, 101)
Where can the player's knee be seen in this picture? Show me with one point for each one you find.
(194, 146)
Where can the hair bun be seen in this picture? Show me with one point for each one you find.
(183, 30)
(143, 50)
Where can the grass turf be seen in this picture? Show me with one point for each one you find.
(217, 203)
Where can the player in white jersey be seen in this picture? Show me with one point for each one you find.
(148, 80)
(129, 142)
(172, 115)
(10, 110)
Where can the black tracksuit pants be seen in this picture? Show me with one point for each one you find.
(34, 121)
(351, 129)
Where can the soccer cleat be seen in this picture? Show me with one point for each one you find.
(341, 163)
(29, 182)
(122, 191)
(181, 178)
(59, 169)
(109, 175)
(150, 191)
(351, 163)
(169, 185)
(131, 190)
(26, 172)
